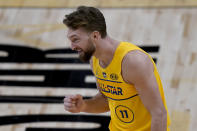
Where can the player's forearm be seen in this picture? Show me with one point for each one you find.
(97, 104)
(159, 121)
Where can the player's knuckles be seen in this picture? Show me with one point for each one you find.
(68, 104)
(65, 99)
(68, 108)
(68, 100)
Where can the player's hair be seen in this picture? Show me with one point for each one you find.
(88, 18)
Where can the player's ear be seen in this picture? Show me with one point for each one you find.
(95, 35)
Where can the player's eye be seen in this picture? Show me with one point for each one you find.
(75, 40)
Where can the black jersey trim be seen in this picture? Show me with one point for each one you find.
(123, 99)
(109, 80)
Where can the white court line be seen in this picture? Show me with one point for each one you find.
(37, 78)
(3, 53)
(65, 124)
(90, 79)
(48, 66)
(36, 108)
(45, 91)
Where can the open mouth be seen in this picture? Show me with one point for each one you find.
(79, 51)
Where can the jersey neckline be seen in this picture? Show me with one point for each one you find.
(115, 53)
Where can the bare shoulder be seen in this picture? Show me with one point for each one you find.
(135, 64)
(136, 59)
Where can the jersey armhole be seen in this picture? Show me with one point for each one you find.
(121, 73)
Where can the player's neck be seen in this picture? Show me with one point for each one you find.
(105, 51)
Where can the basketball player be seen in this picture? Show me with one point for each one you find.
(126, 76)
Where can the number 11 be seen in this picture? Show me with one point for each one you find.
(124, 112)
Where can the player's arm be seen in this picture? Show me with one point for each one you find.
(76, 104)
(96, 104)
(137, 69)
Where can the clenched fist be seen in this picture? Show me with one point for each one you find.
(74, 103)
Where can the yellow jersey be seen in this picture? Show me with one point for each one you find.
(127, 110)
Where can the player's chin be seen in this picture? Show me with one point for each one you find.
(81, 54)
(84, 58)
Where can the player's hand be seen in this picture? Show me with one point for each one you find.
(74, 103)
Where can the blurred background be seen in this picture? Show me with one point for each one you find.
(37, 68)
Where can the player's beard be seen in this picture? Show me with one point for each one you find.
(86, 55)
